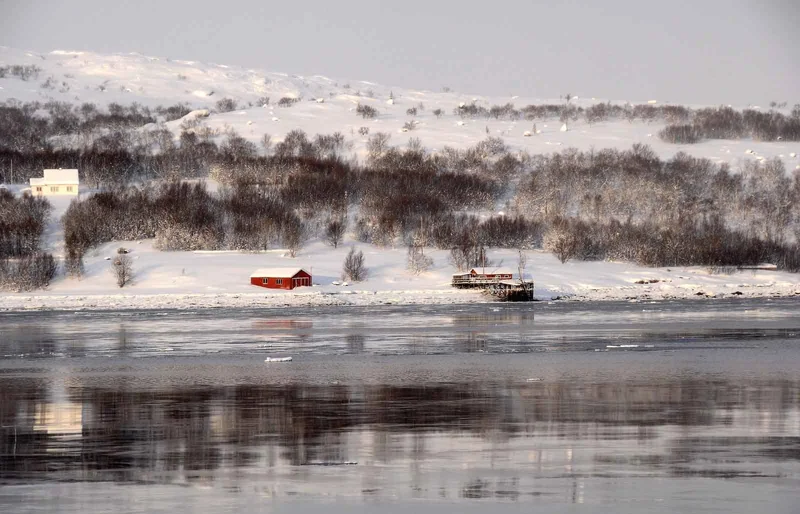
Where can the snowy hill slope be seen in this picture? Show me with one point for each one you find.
(327, 105)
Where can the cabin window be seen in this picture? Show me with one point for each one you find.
(69, 189)
(38, 189)
(54, 189)
(279, 281)
(265, 281)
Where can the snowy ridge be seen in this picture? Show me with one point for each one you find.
(328, 106)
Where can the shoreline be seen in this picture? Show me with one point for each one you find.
(18, 302)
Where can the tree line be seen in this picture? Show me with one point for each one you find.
(23, 266)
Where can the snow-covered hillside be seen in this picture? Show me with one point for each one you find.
(328, 105)
(206, 279)
(325, 106)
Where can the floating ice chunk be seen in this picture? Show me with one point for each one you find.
(320, 100)
(275, 118)
(534, 379)
(749, 152)
(793, 155)
(278, 359)
(652, 102)
(390, 101)
(527, 133)
(564, 128)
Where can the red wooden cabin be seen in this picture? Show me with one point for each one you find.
(280, 278)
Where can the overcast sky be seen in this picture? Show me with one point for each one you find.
(699, 51)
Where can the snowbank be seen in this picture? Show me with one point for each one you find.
(192, 280)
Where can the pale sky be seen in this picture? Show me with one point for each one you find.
(699, 51)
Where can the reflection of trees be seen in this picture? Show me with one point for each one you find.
(355, 343)
(125, 432)
(31, 341)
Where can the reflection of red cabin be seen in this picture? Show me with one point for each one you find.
(280, 278)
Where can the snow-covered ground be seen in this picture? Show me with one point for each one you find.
(328, 106)
(217, 279)
(188, 280)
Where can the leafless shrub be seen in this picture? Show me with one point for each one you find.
(293, 235)
(27, 273)
(561, 242)
(266, 143)
(287, 101)
(416, 261)
(226, 105)
(73, 263)
(366, 111)
(377, 144)
(438, 113)
(122, 269)
(680, 134)
(334, 231)
(354, 268)
(363, 131)
(411, 111)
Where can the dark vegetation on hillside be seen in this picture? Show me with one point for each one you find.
(608, 204)
(22, 222)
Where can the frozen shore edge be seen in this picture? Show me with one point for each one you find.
(188, 301)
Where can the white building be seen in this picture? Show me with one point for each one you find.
(56, 183)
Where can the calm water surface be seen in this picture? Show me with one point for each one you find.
(656, 407)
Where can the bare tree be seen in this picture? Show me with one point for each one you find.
(417, 262)
(334, 232)
(522, 261)
(561, 242)
(354, 269)
(377, 144)
(266, 143)
(73, 262)
(293, 236)
(122, 267)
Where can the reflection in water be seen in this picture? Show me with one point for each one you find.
(484, 440)
(700, 410)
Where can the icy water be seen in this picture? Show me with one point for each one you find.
(618, 407)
